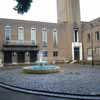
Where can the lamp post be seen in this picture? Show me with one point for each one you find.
(92, 44)
(92, 48)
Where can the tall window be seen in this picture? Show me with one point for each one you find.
(88, 37)
(45, 53)
(44, 38)
(98, 51)
(33, 36)
(8, 32)
(55, 53)
(55, 38)
(76, 36)
(89, 52)
(21, 34)
(97, 35)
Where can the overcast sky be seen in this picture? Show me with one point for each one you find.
(45, 10)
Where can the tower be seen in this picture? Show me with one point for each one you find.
(68, 13)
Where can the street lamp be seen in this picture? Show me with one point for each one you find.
(91, 24)
(92, 48)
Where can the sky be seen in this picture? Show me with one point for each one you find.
(45, 10)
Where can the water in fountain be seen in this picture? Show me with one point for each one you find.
(41, 66)
(40, 59)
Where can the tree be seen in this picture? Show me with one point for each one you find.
(23, 6)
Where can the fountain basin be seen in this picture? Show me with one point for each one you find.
(41, 69)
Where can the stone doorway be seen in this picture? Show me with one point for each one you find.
(76, 53)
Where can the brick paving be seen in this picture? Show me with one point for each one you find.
(73, 79)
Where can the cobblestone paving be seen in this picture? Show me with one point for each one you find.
(74, 79)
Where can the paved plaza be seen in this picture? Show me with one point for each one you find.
(73, 79)
(6, 94)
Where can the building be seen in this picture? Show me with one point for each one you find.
(91, 40)
(21, 40)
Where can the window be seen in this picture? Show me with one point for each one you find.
(55, 38)
(76, 37)
(55, 53)
(8, 32)
(89, 52)
(97, 35)
(33, 36)
(21, 34)
(44, 38)
(45, 53)
(98, 51)
(88, 37)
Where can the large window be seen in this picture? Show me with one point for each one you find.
(33, 36)
(55, 38)
(21, 34)
(97, 35)
(8, 32)
(44, 38)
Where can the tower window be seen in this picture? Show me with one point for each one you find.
(76, 37)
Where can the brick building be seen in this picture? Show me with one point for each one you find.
(21, 40)
(91, 40)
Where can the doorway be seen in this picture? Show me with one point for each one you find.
(7, 57)
(76, 53)
(33, 56)
(21, 57)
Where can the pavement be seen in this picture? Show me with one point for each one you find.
(77, 80)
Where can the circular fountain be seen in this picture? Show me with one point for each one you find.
(41, 67)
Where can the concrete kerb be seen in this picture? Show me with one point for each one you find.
(50, 94)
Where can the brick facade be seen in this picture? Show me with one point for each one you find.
(67, 28)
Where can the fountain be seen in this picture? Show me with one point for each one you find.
(42, 66)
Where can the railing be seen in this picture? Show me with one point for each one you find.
(18, 42)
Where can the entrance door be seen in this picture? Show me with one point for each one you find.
(21, 57)
(76, 53)
(33, 56)
(7, 57)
